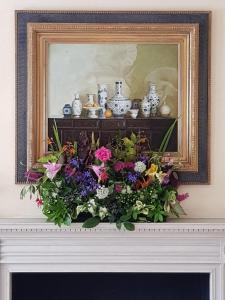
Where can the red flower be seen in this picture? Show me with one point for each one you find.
(104, 176)
(39, 202)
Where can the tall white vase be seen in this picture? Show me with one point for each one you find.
(154, 99)
(77, 106)
(102, 98)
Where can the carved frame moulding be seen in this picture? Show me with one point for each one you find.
(190, 31)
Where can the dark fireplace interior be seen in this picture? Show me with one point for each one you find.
(110, 286)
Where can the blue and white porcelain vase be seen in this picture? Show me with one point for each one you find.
(154, 99)
(102, 98)
(146, 107)
(119, 104)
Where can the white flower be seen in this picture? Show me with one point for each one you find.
(139, 167)
(139, 205)
(126, 190)
(102, 192)
(58, 183)
(91, 206)
(103, 212)
(91, 210)
(80, 208)
(129, 190)
(92, 202)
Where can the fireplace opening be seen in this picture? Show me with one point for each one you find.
(110, 286)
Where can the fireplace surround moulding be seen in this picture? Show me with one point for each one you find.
(32, 245)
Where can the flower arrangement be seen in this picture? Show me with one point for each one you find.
(122, 182)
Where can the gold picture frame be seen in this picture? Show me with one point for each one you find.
(186, 35)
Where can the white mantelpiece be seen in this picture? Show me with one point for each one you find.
(185, 246)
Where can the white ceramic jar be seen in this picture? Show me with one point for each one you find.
(77, 106)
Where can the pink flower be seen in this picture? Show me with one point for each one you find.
(118, 166)
(52, 169)
(103, 154)
(182, 197)
(118, 188)
(39, 202)
(98, 170)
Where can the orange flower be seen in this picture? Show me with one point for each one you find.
(50, 141)
(141, 184)
(69, 149)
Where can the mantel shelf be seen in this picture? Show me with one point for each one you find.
(208, 226)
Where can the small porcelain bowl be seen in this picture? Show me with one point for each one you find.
(134, 113)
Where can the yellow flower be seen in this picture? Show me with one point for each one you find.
(152, 170)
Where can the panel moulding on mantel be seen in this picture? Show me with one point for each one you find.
(187, 245)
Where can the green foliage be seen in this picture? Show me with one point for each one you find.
(68, 194)
(56, 136)
(50, 158)
(31, 190)
(91, 222)
(56, 211)
(129, 226)
(166, 138)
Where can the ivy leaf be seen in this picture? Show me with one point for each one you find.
(91, 222)
(135, 214)
(129, 226)
(125, 218)
(160, 218)
(68, 221)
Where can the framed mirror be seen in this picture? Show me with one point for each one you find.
(66, 58)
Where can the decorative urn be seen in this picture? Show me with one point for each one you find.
(119, 104)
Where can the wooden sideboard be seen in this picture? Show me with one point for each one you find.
(154, 128)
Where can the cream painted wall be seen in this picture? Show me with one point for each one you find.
(206, 201)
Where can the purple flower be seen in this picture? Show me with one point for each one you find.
(33, 176)
(143, 158)
(75, 163)
(132, 177)
(166, 179)
(69, 173)
(86, 183)
(182, 197)
(52, 169)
